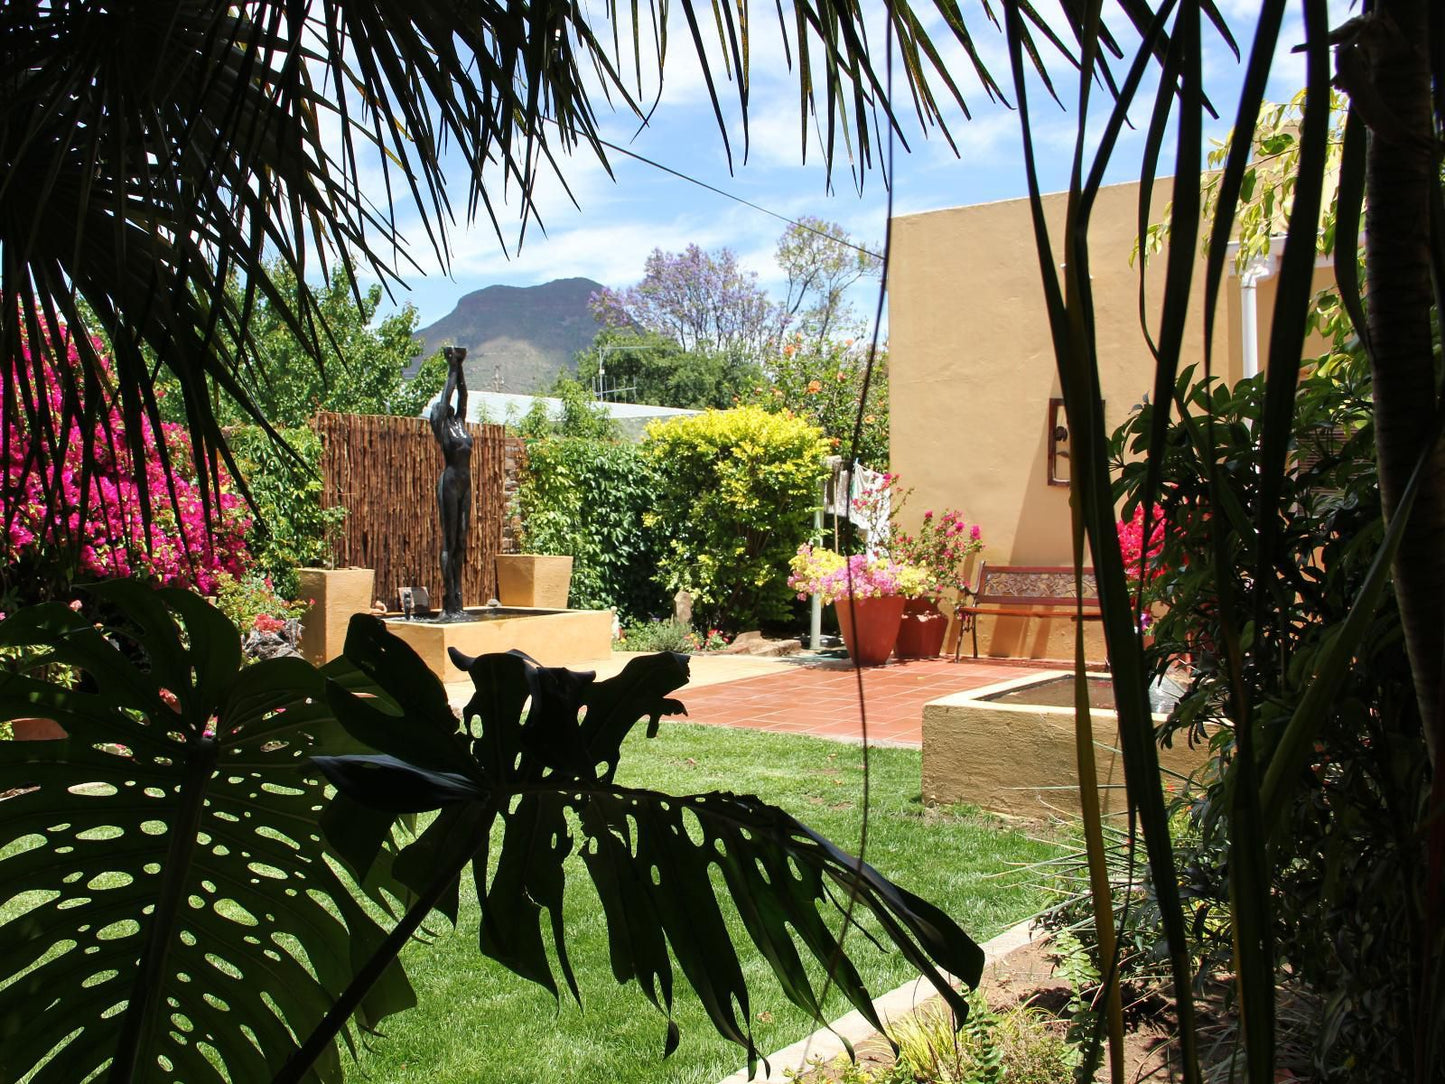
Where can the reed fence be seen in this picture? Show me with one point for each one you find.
(384, 472)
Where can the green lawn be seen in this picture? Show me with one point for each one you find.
(477, 1023)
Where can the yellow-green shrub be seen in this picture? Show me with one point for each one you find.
(736, 496)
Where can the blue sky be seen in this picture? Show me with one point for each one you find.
(618, 222)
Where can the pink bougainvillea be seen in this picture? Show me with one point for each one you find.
(1137, 560)
(42, 499)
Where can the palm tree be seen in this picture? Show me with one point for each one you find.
(155, 152)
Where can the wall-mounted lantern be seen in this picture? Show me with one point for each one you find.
(1058, 444)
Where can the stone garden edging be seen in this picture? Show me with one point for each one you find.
(827, 1043)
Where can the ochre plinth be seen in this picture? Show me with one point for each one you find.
(532, 579)
(552, 638)
(337, 593)
(1019, 758)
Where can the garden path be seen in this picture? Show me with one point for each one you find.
(822, 700)
(806, 694)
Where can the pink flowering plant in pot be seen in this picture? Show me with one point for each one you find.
(832, 577)
(868, 593)
(939, 548)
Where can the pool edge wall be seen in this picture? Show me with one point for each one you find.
(1018, 759)
(553, 639)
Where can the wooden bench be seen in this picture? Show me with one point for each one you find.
(1024, 591)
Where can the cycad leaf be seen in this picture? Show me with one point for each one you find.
(166, 882)
(651, 857)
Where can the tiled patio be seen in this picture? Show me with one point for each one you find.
(808, 695)
(824, 700)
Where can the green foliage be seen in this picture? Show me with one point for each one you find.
(653, 368)
(735, 497)
(518, 1033)
(586, 498)
(1013, 1046)
(670, 635)
(365, 359)
(581, 415)
(651, 857)
(250, 602)
(1347, 890)
(821, 381)
(290, 528)
(170, 897)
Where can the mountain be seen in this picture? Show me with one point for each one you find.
(528, 333)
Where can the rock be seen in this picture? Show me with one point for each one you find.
(273, 645)
(682, 608)
(753, 643)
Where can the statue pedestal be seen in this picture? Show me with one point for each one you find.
(552, 637)
(335, 594)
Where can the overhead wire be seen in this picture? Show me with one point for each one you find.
(682, 176)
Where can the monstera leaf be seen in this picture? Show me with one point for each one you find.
(167, 906)
(538, 749)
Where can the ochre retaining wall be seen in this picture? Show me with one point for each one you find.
(1019, 759)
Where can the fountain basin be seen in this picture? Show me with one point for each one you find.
(552, 637)
(1009, 747)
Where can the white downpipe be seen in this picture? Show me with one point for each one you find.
(1254, 272)
(1249, 322)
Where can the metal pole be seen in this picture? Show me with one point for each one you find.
(815, 612)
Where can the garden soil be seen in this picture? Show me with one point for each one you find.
(1025, 977)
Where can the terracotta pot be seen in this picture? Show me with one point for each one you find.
(36, 730)
(920, 635)
(872, 641)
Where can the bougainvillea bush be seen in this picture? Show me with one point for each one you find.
(55, 532)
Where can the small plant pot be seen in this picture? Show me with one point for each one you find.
(921, 631)
(871, 637)
(37, 730)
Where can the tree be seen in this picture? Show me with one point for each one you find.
(366, 360)
(581, 418)
(650, 367)
(821, 261)
(703, 301)
(823, 381)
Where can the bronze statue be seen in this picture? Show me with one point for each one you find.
(454, 489)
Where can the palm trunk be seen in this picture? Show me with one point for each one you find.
(1400, 179)
(1400, 174)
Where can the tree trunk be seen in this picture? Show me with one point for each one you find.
(1400, 174)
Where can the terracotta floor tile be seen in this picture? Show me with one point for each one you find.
(823, 700)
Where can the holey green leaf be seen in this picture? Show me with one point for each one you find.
(168, 911)
(538, 749)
